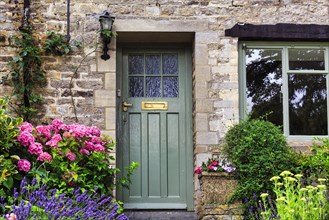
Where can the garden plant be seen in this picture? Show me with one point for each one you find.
(66, 160)
(258, 150)
(293, 201)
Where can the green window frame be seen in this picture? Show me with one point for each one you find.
(303, 82)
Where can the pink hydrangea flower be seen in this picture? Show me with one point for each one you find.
(53, 142)
(57, 125)
(26, 127)
(35, 148)
(93, 130)
(25, 138)
(99, 148)
(45, 157)
(84, 151)
(67, 134)
(71, 156)
(78, 130)
(24, 165)
(44, 131)
(89, 146)
(95, 140)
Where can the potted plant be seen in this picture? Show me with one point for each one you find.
(217, 184)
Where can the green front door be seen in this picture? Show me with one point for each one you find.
(155, 121)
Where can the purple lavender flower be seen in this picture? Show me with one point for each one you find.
(48, 204)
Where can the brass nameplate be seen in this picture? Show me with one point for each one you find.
(154, 105)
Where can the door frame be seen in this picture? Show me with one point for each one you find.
(188, 113)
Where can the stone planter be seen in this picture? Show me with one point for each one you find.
(216, 190)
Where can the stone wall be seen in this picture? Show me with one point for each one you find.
(215, 57)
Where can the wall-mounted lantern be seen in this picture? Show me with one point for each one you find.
(106, 21)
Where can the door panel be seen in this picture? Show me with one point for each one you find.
(158, 138)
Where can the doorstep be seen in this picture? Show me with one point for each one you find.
(160, 215)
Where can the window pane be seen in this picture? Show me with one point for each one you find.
(153, 86)
(264, 81)
(153, 64)
(136, 86)
(170, 87)
(170, 64)
(135, 64)
(306, 59)
(307, 104)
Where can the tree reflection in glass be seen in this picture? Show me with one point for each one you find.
(264, 81)
(307, 104)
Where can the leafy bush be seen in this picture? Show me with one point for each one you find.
(294, 201)
(35, 202)
(8, 160)
(68, 156)
(258, 151)
(316, 164)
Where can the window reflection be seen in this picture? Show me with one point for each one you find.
(306, 59)
(307, 104)
(264, 81)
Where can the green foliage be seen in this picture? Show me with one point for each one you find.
(8, 160)
(26, 75)
(258, 151)
(316, 165)
(108, 34)
(294, 201)
(56, 44)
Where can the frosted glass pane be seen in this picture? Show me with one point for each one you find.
(170, 87)
(136, 86)
(153, 64)
(170, 64)
(153, 87)
(135, 64)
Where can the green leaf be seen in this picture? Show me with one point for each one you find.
(8, 183)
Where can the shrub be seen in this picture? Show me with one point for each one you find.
(258, 151)
(35, 202)
(316, 164)
(68, 156)
(8, 160)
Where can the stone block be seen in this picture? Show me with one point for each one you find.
(206, 37)
(202, 73)
(226, 104)
(202, 157)
(201, 122)
(110, 118)
(106, 65)
(204, 105)
(201, 54)
(110, 81)
(104, 98)
(206, 138)
(201, 90)
(152, 11)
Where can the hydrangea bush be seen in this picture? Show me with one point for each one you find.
(68, 156)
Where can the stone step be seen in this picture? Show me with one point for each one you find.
(160, 215)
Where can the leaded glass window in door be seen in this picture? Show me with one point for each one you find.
(153, 75)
